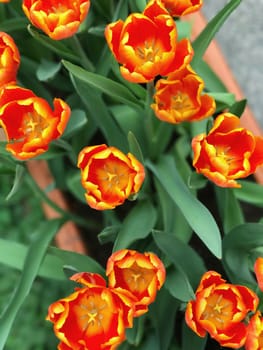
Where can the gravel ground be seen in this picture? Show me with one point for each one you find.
(241, 41)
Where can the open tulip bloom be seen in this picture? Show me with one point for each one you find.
(121, 146)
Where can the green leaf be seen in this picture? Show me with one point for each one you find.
(137, 225)
(237, 247)
(34, 257)
(134, 147)
(47, 70)
(56, 46)
(203, 40)
(13, 254)
(162, 313)
(13, 24)
(211, 79)
(19, 176)
(230, 210)
(73, 182)
(77, 121)
(99, 113)
(238, 107)
(182, 256)
(110, 87)
(197, 215)
(250, 192)
(191, 340)
(225, 98)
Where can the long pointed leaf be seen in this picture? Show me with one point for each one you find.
(34, 257)
(197, 215)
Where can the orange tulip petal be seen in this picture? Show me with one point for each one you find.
(9, 59)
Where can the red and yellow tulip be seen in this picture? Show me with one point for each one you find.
(228, 152)
(109, 176)
(29, 122)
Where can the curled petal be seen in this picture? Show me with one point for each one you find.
(179, 8)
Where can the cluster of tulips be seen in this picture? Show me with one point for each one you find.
(146, 45)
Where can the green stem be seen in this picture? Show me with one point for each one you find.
(76, 45)
(148, 121)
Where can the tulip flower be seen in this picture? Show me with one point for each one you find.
(9, 59)
(58, 19)
(109, 176)
(29, 122)
(93, 317)
(220, 309)
(179, 98)
(258, 268)
(146, 45)
(141, 274)
(254, 339)
(228, 152)
(179, 8)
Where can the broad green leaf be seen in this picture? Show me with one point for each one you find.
(34, 257)
(238, 245)
(77, 121)
(181, 255)
(13, 254)
(19, 176)
(238, 107)
(13, 24)
(135, 334)
(56, 46)
(250, 192)
(108, 234)
(225, 98)
(197, 215)
(110, 87)
(99, 114)
(190, 340)
(178, 284)
(229, 207)
(211, 79)
(137, 225)
(74, 185)
(47, 70)
(206, 36)
(162, 314)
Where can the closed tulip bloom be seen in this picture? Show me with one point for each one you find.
(228, 152)
(220, 309)
(93, 317)
(258, 268)
(109, 176)
(146, 45)
(179, 8)
(58, 19)
(9, 59)
(179, 98)
(29, 122)
(142, 274)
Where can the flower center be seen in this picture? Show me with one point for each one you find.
(137, 278)
(93, 314)
(34, 125)
(148, 51)
(114, 175)
(218, 310)
(181, 102)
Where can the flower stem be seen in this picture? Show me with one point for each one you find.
(85, 61)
